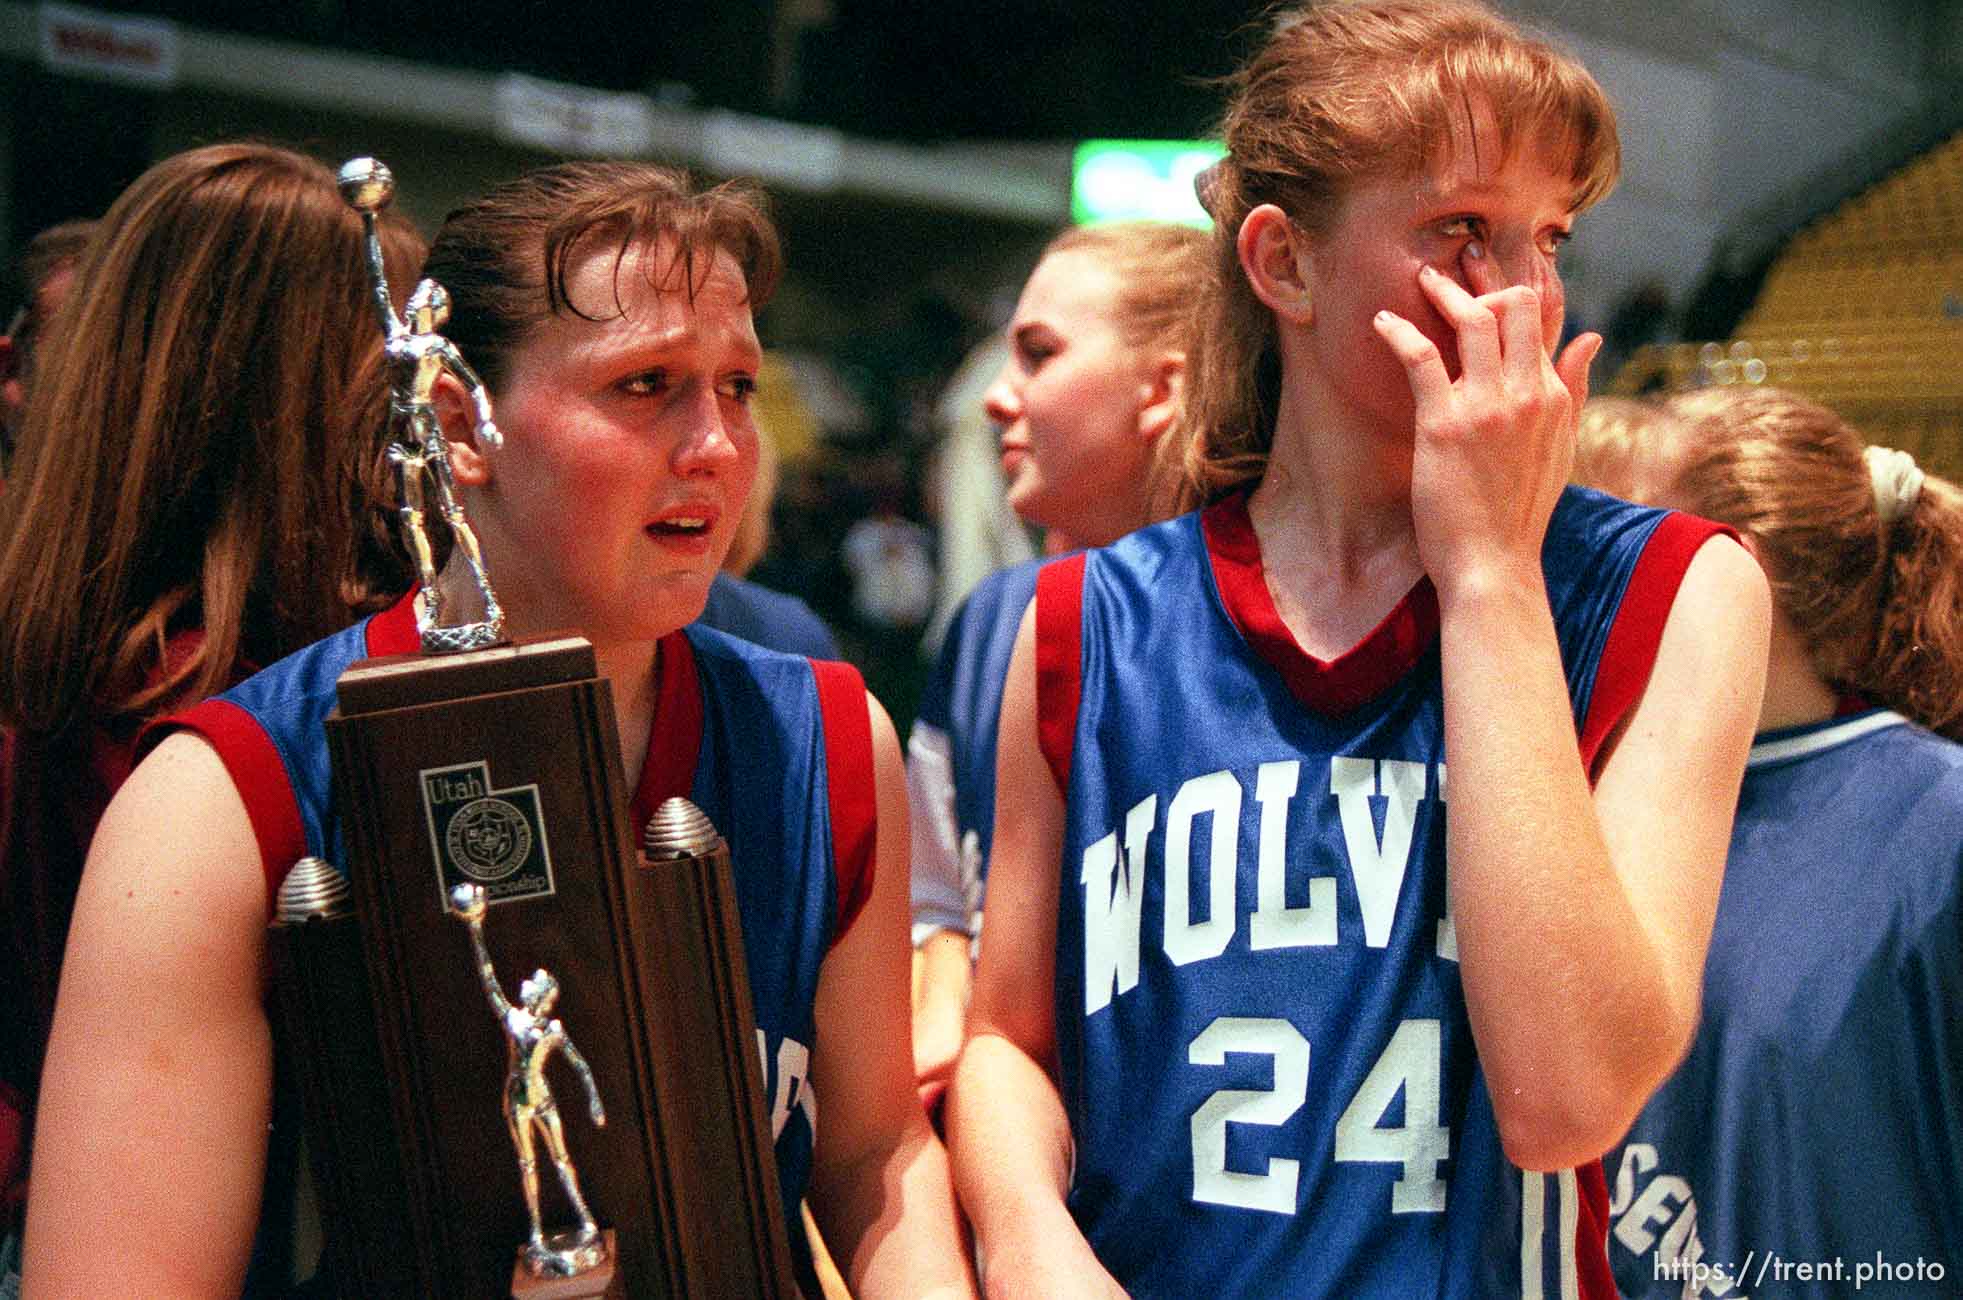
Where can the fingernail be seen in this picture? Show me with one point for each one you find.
(1475, 249)
(1427, 269)
(1384, 317)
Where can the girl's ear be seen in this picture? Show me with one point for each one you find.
(1274, 254)
(454, 411)
(1160, 394)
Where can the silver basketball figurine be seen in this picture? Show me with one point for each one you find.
(418, 356)
(531, 1036)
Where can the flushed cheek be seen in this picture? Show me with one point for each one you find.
(1553, 307)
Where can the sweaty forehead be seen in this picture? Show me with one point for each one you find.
(608, 280)
(648, 295)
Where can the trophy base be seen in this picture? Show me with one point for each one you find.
(541, 1275)
(466, 636)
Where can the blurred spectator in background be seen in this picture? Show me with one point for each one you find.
(47, 270)
(1087, 403)
(890, 556)
(888, 560)
(198, 491)
(1819, 1113)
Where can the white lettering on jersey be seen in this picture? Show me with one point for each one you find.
(1275, 924)
(1656, 1205)
(1448, 931)
(1218, 796)
(793, 1085)
(1377, 867)
(1114, 891)
(1113, 872)
(1411, 1065)
(1273, 1189)
(1658, 1223)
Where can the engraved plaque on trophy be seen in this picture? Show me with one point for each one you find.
(487, 770)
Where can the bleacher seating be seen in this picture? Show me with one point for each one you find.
(1862, 310)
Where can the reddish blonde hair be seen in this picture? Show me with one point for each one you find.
(1615, 440)
(1878, 603)
(1159, 267)
(1344, 92)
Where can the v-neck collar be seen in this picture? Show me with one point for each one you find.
(1332, 687)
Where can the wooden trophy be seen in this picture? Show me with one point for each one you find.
(484, 815)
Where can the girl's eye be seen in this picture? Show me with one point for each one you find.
(1464, 227)
(1552, 241)
(647, 383)
(740, 388)
(1033, 345)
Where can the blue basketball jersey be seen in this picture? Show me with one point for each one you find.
(774, 748)
(1263, 1044)
(960, 707)
(1812, 1141)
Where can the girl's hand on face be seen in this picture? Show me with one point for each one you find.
(1494, 446)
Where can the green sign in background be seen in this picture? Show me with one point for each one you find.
(1118, 180)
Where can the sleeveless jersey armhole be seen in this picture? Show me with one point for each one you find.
(849, 786)
(1059, 662)
(1630, 652)
(675, 734)
(258, 772)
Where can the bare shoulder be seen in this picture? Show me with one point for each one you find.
(175, 853)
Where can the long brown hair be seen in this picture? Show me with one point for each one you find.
(1878, 600)
(1340, 93)
(202, 443)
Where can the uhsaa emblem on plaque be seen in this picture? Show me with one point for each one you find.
(483, 836)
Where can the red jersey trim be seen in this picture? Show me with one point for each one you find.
(850, 786)
(1591, 1234)
(1331, 687)
(393, 630)
(257, 770)
(675, 739)
(1630, 652)
(1059, 662)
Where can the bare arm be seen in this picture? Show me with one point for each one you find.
(880, 1185)
(150, 1144)
(940, 910)
(1583, 920)
(940, 1008)
(1007, 1128)
(1582, 917)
